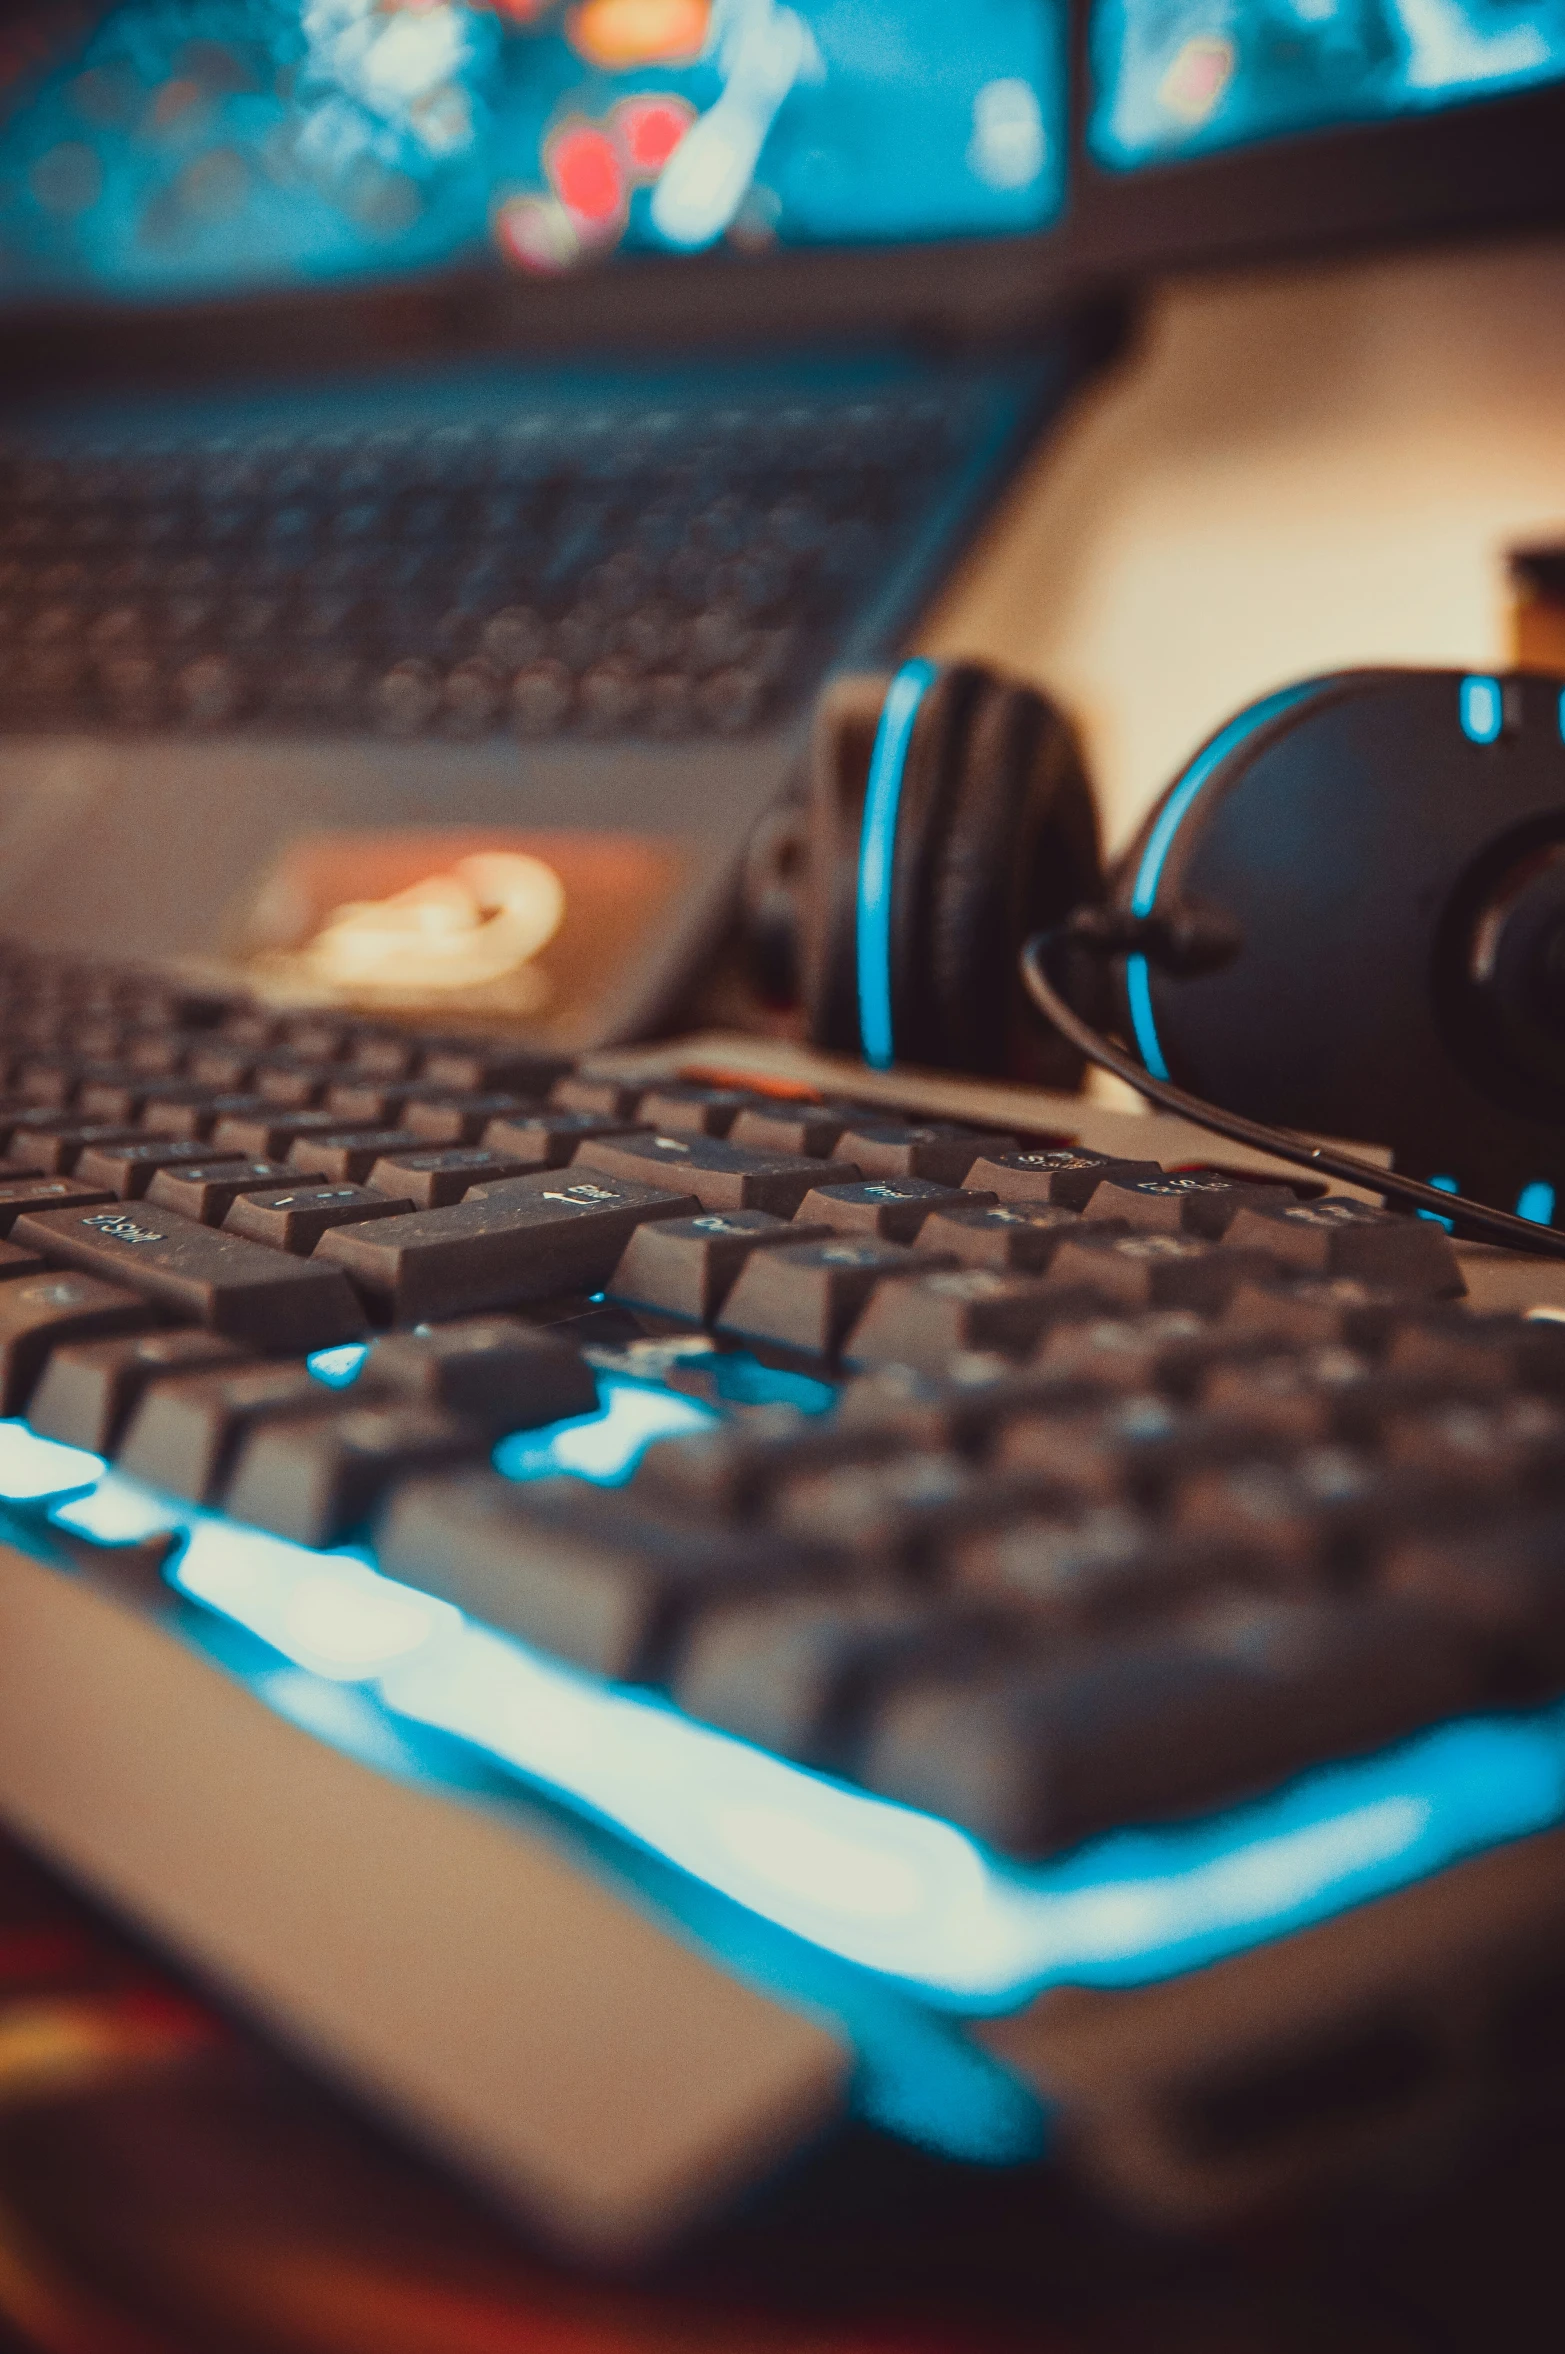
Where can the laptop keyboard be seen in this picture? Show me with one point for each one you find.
(606, 571)
(1036, 1490)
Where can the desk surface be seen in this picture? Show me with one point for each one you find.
(170, 2186)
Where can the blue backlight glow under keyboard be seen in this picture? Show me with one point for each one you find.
(604, 1447)
(341, 1366)
(31, 1467)
(872, 1883)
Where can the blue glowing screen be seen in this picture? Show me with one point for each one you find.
(1175, 77)
(158, 148)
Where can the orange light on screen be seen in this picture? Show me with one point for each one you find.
(481, 921)
(502, 926)
(619, 34)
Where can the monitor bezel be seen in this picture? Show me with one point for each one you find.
(1479, 169)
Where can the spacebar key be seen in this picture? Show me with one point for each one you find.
(243, 1290)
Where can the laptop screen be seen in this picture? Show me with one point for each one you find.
(1180, 77)
(159, 149)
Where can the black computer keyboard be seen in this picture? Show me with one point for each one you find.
(994, 1564)
(597, 568)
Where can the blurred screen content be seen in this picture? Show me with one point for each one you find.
(159, 148)
(1174, 77)
(536, 929)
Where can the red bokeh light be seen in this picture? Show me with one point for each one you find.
(650, 128)
(584, 166)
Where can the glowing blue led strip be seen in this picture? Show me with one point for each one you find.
(873, 1883)
(877, 853)
(1138, 980)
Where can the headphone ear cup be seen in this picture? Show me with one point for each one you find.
(1013, 847)
(995, 834)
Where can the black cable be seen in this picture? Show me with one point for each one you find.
(1476, 1218)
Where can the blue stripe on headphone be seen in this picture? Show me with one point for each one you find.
(1138, 979)
(877, 851)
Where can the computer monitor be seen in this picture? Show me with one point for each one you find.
(673, 166)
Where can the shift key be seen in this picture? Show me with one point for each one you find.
(243, 1290)
(523, 1238)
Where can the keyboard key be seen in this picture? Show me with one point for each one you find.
(258, 1297)
(185, 1431)
(291, 1084)
(795, 1674)
(495, 1372)
(1200, 1205)
(1155, 1270)
(370, 1103)
(195, 1116)
(1161, 1349)
(204, 1190)
(1129, 1452)
(295, 1218)
(901, 1513)
(1227, 1699)
(525, 1238)
(1505, 1448)
(90, 1388)
(927, 1322)
(1481, 1353)
(1067, 1176)
(937, 1149)
(40, 1311)
(1086, 1571)
(578, 1573)
(478, 1069)
(688, 1266)
(461, 1119)
(270, 1136)
(731, 1471)
(431, 1179)
(615, 1098)
(1322, 1514)
(810, 1128)
(1014, 1237)
(695, 1111)
(225, 1064)
(55, 1147)
(14, 1262)
(316, 1479)
(21, 1192)
(811, 1294)
(126, 1170)
(894, 1208)
(348, 1159)
(1505, 1584)
(549, 1140)
(721, 1176)
(1347, 1238)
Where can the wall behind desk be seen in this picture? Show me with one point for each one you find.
(1294, 472)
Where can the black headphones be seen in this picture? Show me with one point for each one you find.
(1346, 915)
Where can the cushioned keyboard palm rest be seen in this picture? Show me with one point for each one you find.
(629, 1611)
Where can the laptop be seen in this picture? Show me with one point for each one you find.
(448, 432)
